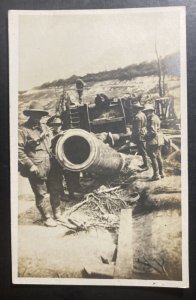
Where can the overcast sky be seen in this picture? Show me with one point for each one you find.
(58, 46)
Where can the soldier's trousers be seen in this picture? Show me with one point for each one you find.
(39, 187)
(73, 181)
(154, 152)
(80, 93)
(55, 187)
(141, 145)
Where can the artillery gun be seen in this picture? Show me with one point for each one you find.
(114, 115)
(111, 114)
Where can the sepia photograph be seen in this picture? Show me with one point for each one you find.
(98, 140)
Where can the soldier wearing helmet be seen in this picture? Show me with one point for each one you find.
(57, 175)
(155, 141)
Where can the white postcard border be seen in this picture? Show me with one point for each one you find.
(13, 81)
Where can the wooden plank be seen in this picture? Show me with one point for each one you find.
(124, 261)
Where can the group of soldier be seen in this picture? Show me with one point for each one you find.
(147, 135)
(37, 162)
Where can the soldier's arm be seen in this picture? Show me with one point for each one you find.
(22, 157)
(138, 124)
(152, 128)
(135, 130)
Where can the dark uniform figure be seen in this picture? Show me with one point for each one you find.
(80, 87)
(34, 143)
(56, 178)
(155, 141)
(139, 132)
(58, 175)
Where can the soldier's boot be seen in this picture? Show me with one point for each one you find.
(78, 189)
(144, 166)
(73, 185)
(155, 177)
(80, 100)
(47, 220)
(161, 171)
(58, 215)
(155, 170)
(50, 222)
(160, 164)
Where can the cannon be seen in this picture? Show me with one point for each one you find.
(78, 150)
(112, 114)
(105, 115)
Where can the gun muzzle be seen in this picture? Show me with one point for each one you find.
(78, 150)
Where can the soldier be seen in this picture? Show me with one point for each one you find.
(55, 178)
(57, 175)
(80, 87)
(155, 141)
(34, 157)
(139, 131)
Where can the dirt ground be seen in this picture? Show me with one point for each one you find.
(50, 252)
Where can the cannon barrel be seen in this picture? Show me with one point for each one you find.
(78, 150)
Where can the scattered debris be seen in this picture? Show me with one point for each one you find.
(103, 206)
(77, 206)
(104, 260)
(153, 265)
(103, 189)
(99, 271)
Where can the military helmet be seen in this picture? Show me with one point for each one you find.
(148, 106)
(35, 107)
(56, 121)
(137, 104)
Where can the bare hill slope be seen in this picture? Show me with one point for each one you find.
(112, 88)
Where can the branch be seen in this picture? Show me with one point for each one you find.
(109, 190)
(78, 205)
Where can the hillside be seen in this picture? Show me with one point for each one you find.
(170, 64)
(112, 88)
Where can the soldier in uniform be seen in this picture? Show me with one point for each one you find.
(57, 175)
(34, 143)
(139, 131)
(80, 87)
(155, 141)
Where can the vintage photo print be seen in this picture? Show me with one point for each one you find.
(98, 136)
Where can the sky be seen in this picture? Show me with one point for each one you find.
(58, 46)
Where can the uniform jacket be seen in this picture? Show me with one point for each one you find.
(139, 127)
(154, 135)
(34, 144)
